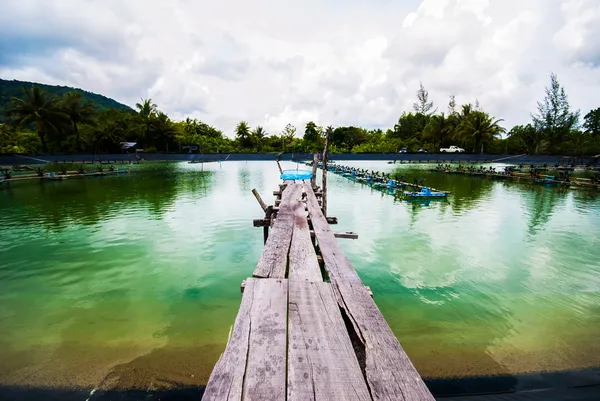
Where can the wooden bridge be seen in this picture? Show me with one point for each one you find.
(307, 327)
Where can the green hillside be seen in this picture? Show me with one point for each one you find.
(10, 89)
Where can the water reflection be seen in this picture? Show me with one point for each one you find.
(134, 280)
(541, 203)
(89, 200)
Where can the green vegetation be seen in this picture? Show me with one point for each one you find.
(14, 88)
(40, 121)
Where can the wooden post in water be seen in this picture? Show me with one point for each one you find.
(313, 179)
(328, 132)
(265, 208)
(262, 203)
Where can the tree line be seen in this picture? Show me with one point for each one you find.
(41, 123)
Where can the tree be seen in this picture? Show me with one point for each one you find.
(110, 129)
(79, 112)
(410, 125)
(423, 105)
(346, 138)
(146, 113)
(242, 133)
(526, 138)
(311, 134)
(452, 105)
(313, 137)
(578, 142)
(287, 136)
(38, 109)
(438, 129)
(592, 122)
(163, 131)
(554, 117)
(258, 135)
(482, 128)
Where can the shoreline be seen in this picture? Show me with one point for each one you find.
(10, 160)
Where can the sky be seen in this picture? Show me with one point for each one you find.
(274, 62)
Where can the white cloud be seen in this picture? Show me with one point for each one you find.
(270, 62)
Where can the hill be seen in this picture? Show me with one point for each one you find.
(10, 89)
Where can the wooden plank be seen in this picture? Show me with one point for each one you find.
(227, 377)
(303, 258)
(346, 235)
(253, 366)
(265, 378)
(274, 259)
(322, 364)
(390, 374)
(328, 133)
(339, 266)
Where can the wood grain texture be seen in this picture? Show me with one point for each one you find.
(322, 365)
(337, 263)
(226, 380)
(265, 378)
(324, 179)
(313, 178)
(274, 259)
(303, 264)
(253, 366)
(390, 374)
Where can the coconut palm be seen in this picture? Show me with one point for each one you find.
(438, 128)
(482, 128)
(163, 130)
(258, 135)
(79, 112)
(105, 132)
(146, 113)
(242, 132)
(39, 109)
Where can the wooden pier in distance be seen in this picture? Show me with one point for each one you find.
(307, 327)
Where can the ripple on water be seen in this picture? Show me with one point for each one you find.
(145, 271)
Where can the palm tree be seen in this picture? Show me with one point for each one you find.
(106, 130)
(258, 135)
(79, 112)
(146, 113)
(482, 128)
(242, 132)
(38, 109)
(163, 129)
(438, 128)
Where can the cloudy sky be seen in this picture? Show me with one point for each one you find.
(273, 62)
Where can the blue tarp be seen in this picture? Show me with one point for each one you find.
(296, 175)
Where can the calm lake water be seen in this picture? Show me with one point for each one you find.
(134, 281)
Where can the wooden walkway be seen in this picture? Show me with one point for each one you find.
(298, 337)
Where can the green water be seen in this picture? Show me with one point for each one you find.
(134, 281)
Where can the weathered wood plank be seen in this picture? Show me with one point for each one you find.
(328, 133)
(265, 378)
(322, 364)
(303, 258)
(390, 373)
(338, 266)
(346, 235)
(253, 366)
(262, 203)
(227, 377)
(274, 259)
